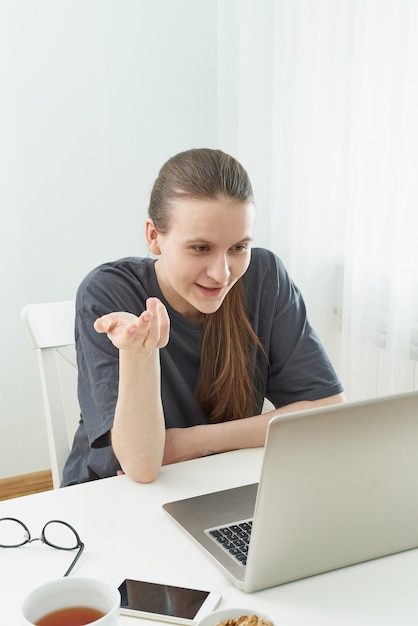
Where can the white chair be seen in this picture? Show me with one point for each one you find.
(50, 327)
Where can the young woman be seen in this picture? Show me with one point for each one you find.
(177, 354)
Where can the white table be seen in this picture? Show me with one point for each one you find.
(126, 533)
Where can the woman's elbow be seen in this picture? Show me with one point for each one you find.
(142, 475)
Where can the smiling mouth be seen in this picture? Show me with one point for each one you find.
(210, 291)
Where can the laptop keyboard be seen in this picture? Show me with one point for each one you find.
(233, 538)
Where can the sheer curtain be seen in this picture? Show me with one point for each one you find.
(319, 100)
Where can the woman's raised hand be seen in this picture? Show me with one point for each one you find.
(144, 333)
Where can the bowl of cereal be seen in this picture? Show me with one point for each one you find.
(236, 617)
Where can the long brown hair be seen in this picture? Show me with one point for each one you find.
(226, 387)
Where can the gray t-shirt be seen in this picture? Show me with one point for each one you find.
(297, 368)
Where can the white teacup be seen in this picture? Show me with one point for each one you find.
(65, 593)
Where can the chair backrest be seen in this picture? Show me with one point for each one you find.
(50, 327)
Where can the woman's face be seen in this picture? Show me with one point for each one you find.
(205, 251)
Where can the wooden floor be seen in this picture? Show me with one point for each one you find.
(25, 484)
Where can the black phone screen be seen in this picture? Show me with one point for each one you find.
(162, 599)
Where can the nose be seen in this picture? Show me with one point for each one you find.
(218, 270)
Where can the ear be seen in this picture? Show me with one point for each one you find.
(152, 236)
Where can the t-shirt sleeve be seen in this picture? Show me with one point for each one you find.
(299, 367)
(118, 286)
(98, 366)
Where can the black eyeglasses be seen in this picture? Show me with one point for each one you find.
(56, 533)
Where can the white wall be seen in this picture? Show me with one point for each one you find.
(95, 95)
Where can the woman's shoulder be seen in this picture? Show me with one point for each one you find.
(129, 266)
(125, 265)
(120, 280)
(268, 281)
(265, 263)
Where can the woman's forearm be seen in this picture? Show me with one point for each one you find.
(248, 432)
(138, 433)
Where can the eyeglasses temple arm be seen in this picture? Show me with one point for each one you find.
(79, 553)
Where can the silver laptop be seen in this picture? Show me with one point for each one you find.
(338, 486)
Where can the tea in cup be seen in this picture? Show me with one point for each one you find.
(75, 601)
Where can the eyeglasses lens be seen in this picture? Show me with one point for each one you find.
(12, 533)
(60, 535)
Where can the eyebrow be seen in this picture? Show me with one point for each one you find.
(204, 240)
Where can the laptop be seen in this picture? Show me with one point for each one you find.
(338, 486)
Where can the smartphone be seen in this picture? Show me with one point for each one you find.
(167, 603)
